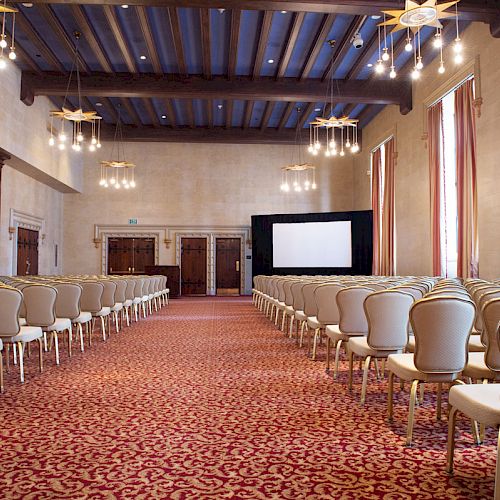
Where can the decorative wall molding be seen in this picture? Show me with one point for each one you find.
(25, 220)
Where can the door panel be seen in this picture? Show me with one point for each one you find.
(27, 252)
(194, 266)
(144, 254)
(228, 264)
(130, 255)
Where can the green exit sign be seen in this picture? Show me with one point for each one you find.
(132, 222)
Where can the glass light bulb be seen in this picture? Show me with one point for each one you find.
(408, 46)
(79, 137)
(62, 146)
(282, 187)
(315, 152)
(306, 188)
(438, 42)
(106, 185)
(3, 64)
(459, 59)
(385, 56)
(78, 147)
(126, 186)
(73, 147)
(62, 136)
(98, 145)
(335, 152)
(457, 47)
(327, 152)
(51, 141)
(314, 185)
(392, 74)
(342, 153)
(112, 180)
(307, 183)
(415, 74)
(295, 183)
(92, 148)
(12, 55)
(310, 148)
(287, 187)
(3, 43)
(317, 145)
(117, 185)
(102, 182)
(132, 184)
(93, 141)
(379, 67)
(348, 144)
(298, 189)
(124, 181)
(332, 144)
(420, 64)
(441, 69)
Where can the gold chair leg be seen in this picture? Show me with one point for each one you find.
(351, 369)
(70, 340)
(377, 369)
(390, 397)
(452, 420)
(337, 359)
(328, 346)
(290, 327)
(315, 343)
(40, 354)
(55, 339)
(422, 393)
(365, 378)
(411, 413)
(1, 373)
(20, 346)
(302, 327)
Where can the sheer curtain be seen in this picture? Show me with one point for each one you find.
(435, 135)
(465, 131)
(377, 208)
(387, 260)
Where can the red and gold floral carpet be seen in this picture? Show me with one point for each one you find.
(206, 399)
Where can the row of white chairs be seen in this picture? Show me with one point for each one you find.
(43, 308)
(427, 329)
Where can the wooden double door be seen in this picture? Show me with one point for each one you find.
(27, 251)
(130, 255)
(194, 266)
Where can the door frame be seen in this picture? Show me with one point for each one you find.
(242, 256)
(207, 264)
(27, 221)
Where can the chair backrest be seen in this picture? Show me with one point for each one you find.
(68, 300)
(287, 286)
(350, 303)
(298, 297)
(40, 301)
(415, 292)
(108, 294)
(326, 300)
(138, 287)
(280, 284)
(491, 319)
(442, 327)
(129, 290)
(91, 300)
(479, 323)
(121, 286)
(387, 313)
(10, 303)
(310, 306)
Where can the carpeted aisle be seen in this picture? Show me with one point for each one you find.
(208, 400)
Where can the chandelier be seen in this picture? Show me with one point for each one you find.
(4, 9)
(413, 18)
(341, 134)
(298, 175)
(73, 119)
(118, 172)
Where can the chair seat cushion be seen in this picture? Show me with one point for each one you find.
(476, 368)
(22, 321)
(300, 316)
(402, 366)
(26, 334)
(103, 312)
(313, 323)
(280, 305)
(475, 344)
(137, 300)
(127, 303)
(359, 346)
(289, 310)
(481, 402)
(84, 317)
(333, 331)
(117, 307)
(59, 325)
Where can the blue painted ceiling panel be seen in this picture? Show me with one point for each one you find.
(179, 109)
(357, 110)
(219, 115)
(162, 35)
(278, 35)
(278, 110)
(238, 113)
(257, 112)
(189, 20)
(248, 41)
(159, 106)
(292, 119)
(220, 33)
(200, 112)
(307, 32)
(141, 110)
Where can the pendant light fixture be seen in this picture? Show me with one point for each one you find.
(4, 44)
(117, 172)
(73, 119)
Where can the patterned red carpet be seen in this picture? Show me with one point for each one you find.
(207, 400)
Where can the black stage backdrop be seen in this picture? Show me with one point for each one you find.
(361, 234)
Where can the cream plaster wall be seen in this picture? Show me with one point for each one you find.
(194, 185)
(27, 195)
(25, 137)
(412, 179)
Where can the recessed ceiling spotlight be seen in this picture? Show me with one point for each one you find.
(164, 117)
(142, 57)
(317, 109)
(219, 106)
(124, 6)
(283, 11)
(370, 65)
(270, 61)
(27, 5)
(375, 17)
(98, 104)
(221, 11)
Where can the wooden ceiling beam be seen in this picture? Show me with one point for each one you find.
(205, 43)
(84, 26)
(286, 115)
(110, 108)
(147, 33)
(234, 135)
(265, 28)
(170, 113)
(210, 113)
(267, 115)
(265, 89)
(304, 115)
(151, 112)
(190, 113)
(318, 44)
(247, 118)
(177, 38)
(112, 18)
(233, 43)
(229, 114)
(131, 111)
(470, 10)
(298, 19)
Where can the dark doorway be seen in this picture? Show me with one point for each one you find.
(27, 252)
(228, 263)
(193, 266)
(130, 255)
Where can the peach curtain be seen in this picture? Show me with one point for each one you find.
(388, 212)
(376, 207)
(435, 136)
(465, 131)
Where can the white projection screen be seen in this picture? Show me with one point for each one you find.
(312, 244)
